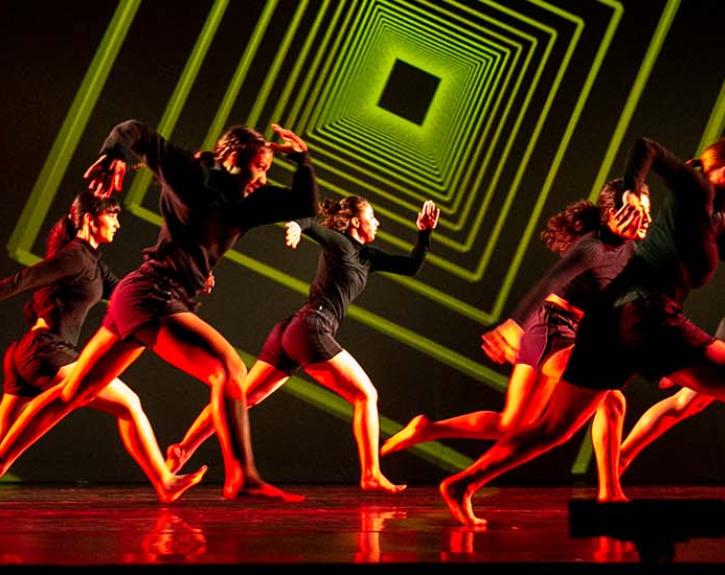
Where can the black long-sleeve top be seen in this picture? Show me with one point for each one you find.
(67, 285)
(581, 273)
(344, 265)
(680, 251)
(203, 207)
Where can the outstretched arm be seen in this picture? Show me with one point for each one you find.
(409, 265)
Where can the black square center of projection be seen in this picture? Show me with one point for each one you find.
(409, 92)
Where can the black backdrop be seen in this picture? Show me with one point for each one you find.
(45, 48)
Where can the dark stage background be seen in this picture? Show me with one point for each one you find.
(508, 112)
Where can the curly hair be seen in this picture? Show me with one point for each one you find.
(246, 142)
(336, 214)
(581, 217)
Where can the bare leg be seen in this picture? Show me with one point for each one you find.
(139, 439)
(658, 419)
(483, 425)
(606, 438)
(262, 380)
(527, 394)
(189, 343)
(10, 408)
(102, 360)
(344, 375)
(568, 410)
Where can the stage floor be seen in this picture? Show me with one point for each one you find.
(337, 529)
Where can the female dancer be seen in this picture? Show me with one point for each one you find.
(207, 201)
(658, 419)
(307, 338)
(637, 325)
(68, 282)
(595, 242)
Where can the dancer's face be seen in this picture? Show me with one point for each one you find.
(256, 170)
(103, 227)
(367, 224)
(645, 206)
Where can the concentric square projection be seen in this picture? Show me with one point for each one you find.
(409, 92)
(493, 70)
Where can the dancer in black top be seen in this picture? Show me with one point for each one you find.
(637, 325)
(662, 416)
(207, 201)
(70, 280)
(307, 338)
(595, 243)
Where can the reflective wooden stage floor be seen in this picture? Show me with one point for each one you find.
(337, 529)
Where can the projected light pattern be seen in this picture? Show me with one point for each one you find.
(499, 72)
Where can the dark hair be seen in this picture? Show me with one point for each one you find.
(66, 228)
(336, 214)
(581, 217)
(246, 142)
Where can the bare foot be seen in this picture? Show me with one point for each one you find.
(459, 503)
(176, 457)
(259, 488)
(616, 497)
(410, 435)
(179, 484)
(381, 483)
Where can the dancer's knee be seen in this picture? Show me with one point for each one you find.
(614, 404)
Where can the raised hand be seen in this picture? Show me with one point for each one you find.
(292, 234)
(428, 216)
(630, 217)
(209, 284)
(291, 142)
(105, 176)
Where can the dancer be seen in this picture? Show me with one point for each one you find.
(595, 242)
(207, 201)
(636, 326)
(68, 282)
(307, 338)
(657, 420)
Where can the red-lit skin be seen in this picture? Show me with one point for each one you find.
(116, 399)
(176, 340)
(341, 374)
(569, 408)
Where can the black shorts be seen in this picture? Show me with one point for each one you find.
(142, 297)
(305, 338)
(32, 362)
(645, 334)
(551, 329)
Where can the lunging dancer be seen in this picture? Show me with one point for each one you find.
(637, 325)
(653, 423)
(207, 201)
(67, 283)
(307, 338)
(594, 242)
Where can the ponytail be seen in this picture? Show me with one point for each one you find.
(65, 229)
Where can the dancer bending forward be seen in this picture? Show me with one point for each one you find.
(636, 325)
(595, 242)
(207, 201)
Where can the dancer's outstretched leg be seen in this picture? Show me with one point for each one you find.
(569, 408)
(344, 375)
(189, 343)
(139, 439)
